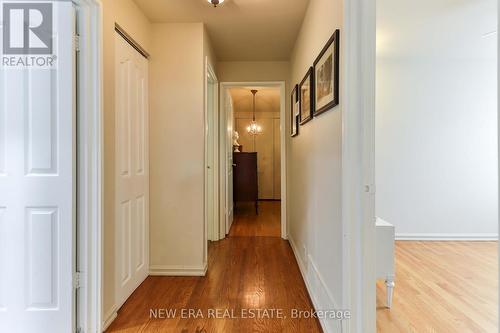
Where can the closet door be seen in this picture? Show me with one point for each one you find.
(132, 169)
(37, 182)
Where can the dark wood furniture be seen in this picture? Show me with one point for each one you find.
(245, 185)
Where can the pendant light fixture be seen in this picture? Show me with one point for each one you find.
(254, 128)
(215, 2)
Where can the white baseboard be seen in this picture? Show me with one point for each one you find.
(161, 270)
(109, 317)
(320, 294)
(446, 237)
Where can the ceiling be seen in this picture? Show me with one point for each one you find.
(266, 100)
(240, 30)
(451, 29)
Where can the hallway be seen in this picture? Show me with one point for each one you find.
(251, 269)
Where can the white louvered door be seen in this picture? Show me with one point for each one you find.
(37, 190)
(132, 169)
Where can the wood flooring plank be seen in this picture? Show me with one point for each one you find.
(442, 287)
(251, 269)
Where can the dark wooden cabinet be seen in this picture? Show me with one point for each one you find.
(245, 183)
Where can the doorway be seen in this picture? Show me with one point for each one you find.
(269, 162)
(256, 161)
(447, 232)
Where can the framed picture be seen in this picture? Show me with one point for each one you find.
(294, 112)
(306, 97)
(326, 75)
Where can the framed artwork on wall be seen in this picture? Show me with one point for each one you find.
(326, 75)
(294, 112)
(306, 97)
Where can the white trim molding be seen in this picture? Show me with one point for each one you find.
(321, 296)
(90, 191)
(177, 270)
(446, 237)
(358, 61)
(109, 317)
(215, 231)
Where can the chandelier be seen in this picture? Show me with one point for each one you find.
(254, 128)
(215, 2)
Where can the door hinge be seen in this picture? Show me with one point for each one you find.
(370, 188)
(77, 280)
(77, 42)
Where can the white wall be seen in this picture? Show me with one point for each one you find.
(314, 172)
(436, 121)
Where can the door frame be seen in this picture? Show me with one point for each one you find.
(283, 140)
(215, 227)
(90, 190)
(358, 165)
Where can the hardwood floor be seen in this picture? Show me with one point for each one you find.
(248, 224)
(251, 269)
(442, 287)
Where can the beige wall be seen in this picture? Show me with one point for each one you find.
(267, 146)
(129, 17)
(176, 139)
(177, 78)
(247, 71)
(208, 50)
(314, 168)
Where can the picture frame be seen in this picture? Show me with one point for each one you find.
(306, 97)
(326, 75)
(294, 112)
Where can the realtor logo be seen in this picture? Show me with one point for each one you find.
(27, 29)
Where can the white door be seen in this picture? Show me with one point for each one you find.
(132, 169)
(210, 159)
(277, 159)
(229, 162)
(37, 190)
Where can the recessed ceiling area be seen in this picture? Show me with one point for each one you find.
(267, 99)
(240, 30)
